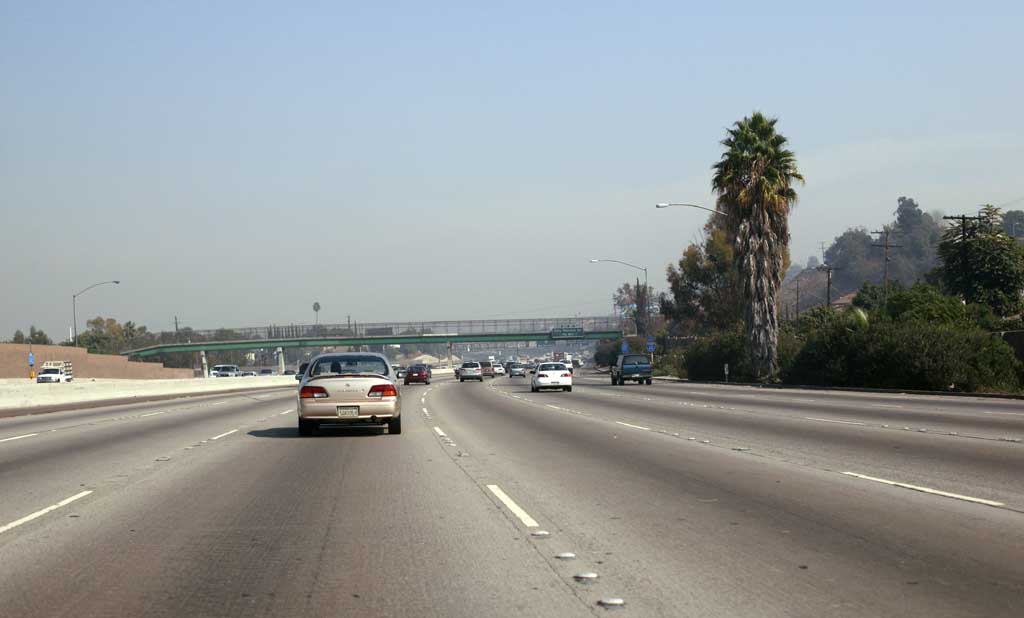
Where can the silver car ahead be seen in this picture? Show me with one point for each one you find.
(471, 371)
(349, 389)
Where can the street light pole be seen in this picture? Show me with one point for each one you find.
(667, 205)
(74, 309)
(646, 287)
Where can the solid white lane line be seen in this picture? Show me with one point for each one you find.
(632, 426)
(226, 433)
(517, 510)
(150, 414)
(886, 405)
(927, 490)
(28, 435)
(219, 403)
(829, 420)
(440, 433)
(41, 512)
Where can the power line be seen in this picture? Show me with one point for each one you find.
(885, 268)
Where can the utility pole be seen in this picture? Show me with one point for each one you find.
(175, 329)
(884, 233)
(798, 296)
(827, 268)
(963, 219)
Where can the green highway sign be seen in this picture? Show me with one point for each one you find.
(566, 332)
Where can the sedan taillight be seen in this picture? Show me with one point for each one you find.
(383, 390)
(566, 375)
(313, 392)
(542, 375)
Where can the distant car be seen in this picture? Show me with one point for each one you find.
(225, 371)
(487, 369)
(288, 372)
(471, 371)
(632, 368)
(267, 372)
(349, 389)
(400, 371)
(499, 370)
(552, 375)
(247, 374)
(515, 370)
(418, 373)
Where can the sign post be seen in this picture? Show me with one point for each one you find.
(727, 372)
(651, 347)
(31, 363)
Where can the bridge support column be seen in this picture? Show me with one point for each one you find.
(202, 358)
(280, 361)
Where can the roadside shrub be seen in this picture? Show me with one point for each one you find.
(706, 357)
(907, 354)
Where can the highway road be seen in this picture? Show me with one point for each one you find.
(680, 499)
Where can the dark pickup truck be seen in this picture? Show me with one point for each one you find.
(632, 367)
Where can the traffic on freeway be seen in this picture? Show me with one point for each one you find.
(667, 500)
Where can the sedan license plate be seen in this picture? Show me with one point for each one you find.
(556, 382)
(348, 410)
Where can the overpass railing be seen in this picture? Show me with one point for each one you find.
(371, 329)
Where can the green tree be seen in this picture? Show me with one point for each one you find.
(1013, 222)
(38, 337)
(981, 263)
(635, 300)
(704, 292)
(853, 260)
(19, 337)
(754, 182)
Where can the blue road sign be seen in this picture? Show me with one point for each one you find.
(31, 359)
(625, 347)
(650, 346)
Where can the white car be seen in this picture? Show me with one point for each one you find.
(551, 375)
(499, 369)
(225, 371)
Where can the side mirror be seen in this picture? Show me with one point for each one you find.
(298, 376)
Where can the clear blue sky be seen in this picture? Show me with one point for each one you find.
(234, 162)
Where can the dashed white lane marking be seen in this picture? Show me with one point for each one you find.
(1007, 413)
(41, 512)
(886, 405)
(423, 399)
(219, 403)
(27, 435)
(150, 414)
(927, 490)
(548, 405)
(632, 426)
(425, 411)
(288, 411)
(439, 432)
(829, 420)
(517, 510)
(226, 433)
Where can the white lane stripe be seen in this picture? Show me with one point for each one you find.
(440, 433)
(632, 426)
(548, 405)
(286, 412)
(517, 510)
(219, 403)
(927, 490)
(425, 411)
(41, 512)
(150, 414)
(829, 420)
(226, 433)
(886, 405)
(28, 435)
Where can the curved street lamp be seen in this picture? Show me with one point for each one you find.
(646, 287)
(667, 204)
(74, 309)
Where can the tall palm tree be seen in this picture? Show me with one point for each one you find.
(754, 182)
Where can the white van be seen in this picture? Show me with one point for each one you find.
(225, 371)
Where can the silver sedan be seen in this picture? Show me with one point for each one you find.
(349, 389)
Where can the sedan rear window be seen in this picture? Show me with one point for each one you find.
(349, 365)
(470, 365)
(552, 367)
(636, 359)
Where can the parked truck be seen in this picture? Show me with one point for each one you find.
(55, 371)
(632, 368)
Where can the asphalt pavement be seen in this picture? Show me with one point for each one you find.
(677, 499)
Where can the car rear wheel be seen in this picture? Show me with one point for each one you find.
(462, 379)
(395, 426)
(650, 381)
(614, 382)
(533, 389)
(306, 428)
